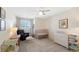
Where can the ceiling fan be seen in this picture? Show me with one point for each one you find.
(43, 11)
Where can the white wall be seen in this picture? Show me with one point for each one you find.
(10, 18)
(41, 23)
(10, 21)
(73, 20)
(51, 23)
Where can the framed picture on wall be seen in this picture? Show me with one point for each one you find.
(63, 23)
(2, 19)
(3, 13)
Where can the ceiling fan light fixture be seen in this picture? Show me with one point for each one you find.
(43, 12)
(40, 13)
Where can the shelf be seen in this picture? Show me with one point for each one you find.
(74, 48)
(73, 42)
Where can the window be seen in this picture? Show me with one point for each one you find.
(2, 25)
(25, 23)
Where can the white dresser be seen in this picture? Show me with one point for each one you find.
(61, 38)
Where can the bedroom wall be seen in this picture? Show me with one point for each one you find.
(73, 21)
(41, 23)
(10, 18)
(51, 23)
(10, 21)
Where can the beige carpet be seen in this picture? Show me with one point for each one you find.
(41, 45)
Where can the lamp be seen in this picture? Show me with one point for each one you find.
(13, 30)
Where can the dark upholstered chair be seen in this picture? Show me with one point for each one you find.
(22, 34)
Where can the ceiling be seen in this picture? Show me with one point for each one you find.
(32, 12)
